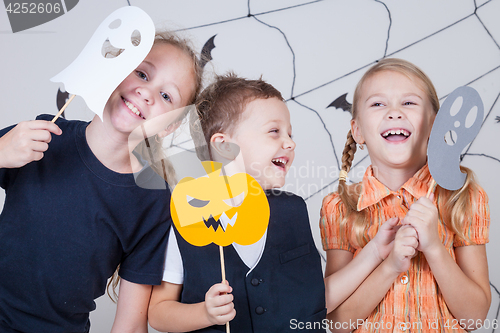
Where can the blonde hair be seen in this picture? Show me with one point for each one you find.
(151, 149)
(454, 206)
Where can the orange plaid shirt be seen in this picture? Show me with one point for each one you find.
(414, 302)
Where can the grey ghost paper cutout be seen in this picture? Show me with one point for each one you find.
(452, 131)
(93, 76)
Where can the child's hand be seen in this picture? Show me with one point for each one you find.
(26, 143)
(219, 304)
(423, 216)
(384, 239)
(405, 248)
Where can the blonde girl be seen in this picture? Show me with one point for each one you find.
(73, 211)
(425, 268)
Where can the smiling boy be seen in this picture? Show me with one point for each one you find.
(274, 281)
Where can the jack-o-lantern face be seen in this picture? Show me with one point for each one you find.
(219, 209)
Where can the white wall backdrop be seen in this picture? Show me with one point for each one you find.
(313, 52)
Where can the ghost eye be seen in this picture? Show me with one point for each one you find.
(196, 202)
(235, 201)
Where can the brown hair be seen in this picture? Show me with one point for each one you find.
(221, 104)
(453, 206)
(151, 148)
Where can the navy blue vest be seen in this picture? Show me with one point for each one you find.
(285, 288)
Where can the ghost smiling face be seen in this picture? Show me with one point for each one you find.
(456, 125)
(119, 30)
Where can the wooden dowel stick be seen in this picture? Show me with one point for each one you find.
(223, 271)
(221, 249)
(62, 109)
(431, 188)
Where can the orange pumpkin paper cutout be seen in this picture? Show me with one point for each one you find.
(219, 209)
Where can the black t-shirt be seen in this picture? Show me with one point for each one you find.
(67, 222)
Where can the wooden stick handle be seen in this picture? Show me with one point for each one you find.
(223, 271)
(62, 109)
(431, 188)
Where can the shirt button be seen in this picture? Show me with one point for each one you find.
(259, 310)
(255, 282)
(404, 279)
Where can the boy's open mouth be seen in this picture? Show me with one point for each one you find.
(280, 162)
(133, 108)
(395, 135)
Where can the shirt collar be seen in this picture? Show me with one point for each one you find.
(372, 190)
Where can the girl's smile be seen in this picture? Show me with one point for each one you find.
(161, 83)
(164, 82)
(133, 108)
(396, 135)
(394, 119)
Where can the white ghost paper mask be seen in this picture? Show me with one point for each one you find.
(454, 128)
(93, 76)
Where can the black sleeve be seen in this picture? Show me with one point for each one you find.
(6, 175)
(143, 264)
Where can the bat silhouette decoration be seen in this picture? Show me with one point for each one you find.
(341, 103)
(30, 14)
(206, 51)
